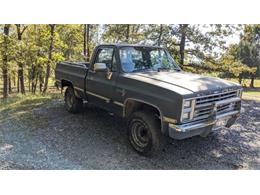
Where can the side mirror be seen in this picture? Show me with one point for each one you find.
(100, 67)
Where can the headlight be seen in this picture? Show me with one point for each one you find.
(188, 109)
(186, 116)
(187, 103)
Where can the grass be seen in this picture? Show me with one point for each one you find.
(16, 100)
(19, 107)
(251, 94)
(17, 112)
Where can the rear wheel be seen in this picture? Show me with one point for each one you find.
(144, 133)
(72, 103)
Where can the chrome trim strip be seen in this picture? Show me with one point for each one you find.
(186, 128)
(227, 114)
(98, 96)
(169, 120)
(78, 89)
(203, 96)
(236, 99)
(119, 103)
(210, 95)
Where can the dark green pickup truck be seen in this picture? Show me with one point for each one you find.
(145, 85)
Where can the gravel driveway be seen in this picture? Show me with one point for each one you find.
(48, 137)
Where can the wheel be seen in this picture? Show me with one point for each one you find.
(144, 133)
(72, 103)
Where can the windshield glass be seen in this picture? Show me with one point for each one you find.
(135, 59)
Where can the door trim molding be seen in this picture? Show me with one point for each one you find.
(98, 96)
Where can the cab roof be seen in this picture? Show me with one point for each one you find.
(128, 45)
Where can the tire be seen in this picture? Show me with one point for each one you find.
(72, 103)
(144, 133)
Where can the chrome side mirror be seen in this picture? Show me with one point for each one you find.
(100, 67)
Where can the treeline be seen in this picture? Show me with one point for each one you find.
(29, 53)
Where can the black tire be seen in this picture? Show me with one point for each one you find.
(72, 103)
(144, 133)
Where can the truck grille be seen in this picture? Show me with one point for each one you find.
(204, 105)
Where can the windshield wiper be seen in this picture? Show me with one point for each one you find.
(142, 70)
(167, 69)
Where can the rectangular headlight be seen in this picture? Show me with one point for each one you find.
(188, 109)
(185, 116)
(187, 103)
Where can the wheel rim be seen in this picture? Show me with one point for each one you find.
(140, 134)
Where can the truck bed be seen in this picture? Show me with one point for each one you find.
(72, 72)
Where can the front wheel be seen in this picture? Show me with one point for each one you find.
(72, 103)
(144, 133)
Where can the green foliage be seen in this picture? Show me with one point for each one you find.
(249, 47)
(232, 66)
(201, 48)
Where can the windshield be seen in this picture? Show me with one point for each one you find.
(135, 59)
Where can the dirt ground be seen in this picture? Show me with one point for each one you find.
(43, 135)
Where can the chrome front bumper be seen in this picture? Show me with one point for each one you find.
(200, 128)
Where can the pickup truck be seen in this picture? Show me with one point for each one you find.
(144, 85)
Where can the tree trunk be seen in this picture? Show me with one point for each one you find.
(48, 68)
(14, 81)
(41, 78)
(21, 78)
(240, 79)
(252, 81)
(35, 84)
(29, 85)
(86, 41)
(18, 85)
(20, 32)
(5, 61)
(33, 73)
(9, 85)
(183, 28)
(5, 82)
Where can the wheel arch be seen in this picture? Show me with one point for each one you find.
(66, 83)
(131, 105)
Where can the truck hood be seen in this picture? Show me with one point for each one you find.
(188, 81)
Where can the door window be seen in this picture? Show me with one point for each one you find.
(105, 55)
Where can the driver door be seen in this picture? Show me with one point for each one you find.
(101, 85)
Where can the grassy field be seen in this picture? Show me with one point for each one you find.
(28, 101)
(249, 93)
